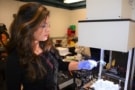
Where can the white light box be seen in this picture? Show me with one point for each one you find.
(109, 34)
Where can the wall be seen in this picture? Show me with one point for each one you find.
(7, 9)
(77, 15)
(60, 18)
(133, 11)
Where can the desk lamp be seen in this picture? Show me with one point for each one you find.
(109, 34)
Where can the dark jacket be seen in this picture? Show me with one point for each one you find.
(15, 75)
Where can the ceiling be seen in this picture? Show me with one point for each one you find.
(60, 4)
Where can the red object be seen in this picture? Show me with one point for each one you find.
(70, 32)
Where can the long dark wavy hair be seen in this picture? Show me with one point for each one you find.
(25, 23)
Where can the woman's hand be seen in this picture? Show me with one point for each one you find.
(87, 64)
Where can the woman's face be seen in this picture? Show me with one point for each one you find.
(42, 33)
(4, 37)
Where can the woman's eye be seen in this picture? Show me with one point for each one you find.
(43, 26)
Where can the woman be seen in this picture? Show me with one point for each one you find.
(4, 37)
(33, 61)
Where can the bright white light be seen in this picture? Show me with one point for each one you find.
(72, 1)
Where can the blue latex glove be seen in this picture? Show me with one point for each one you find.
(87, 64)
